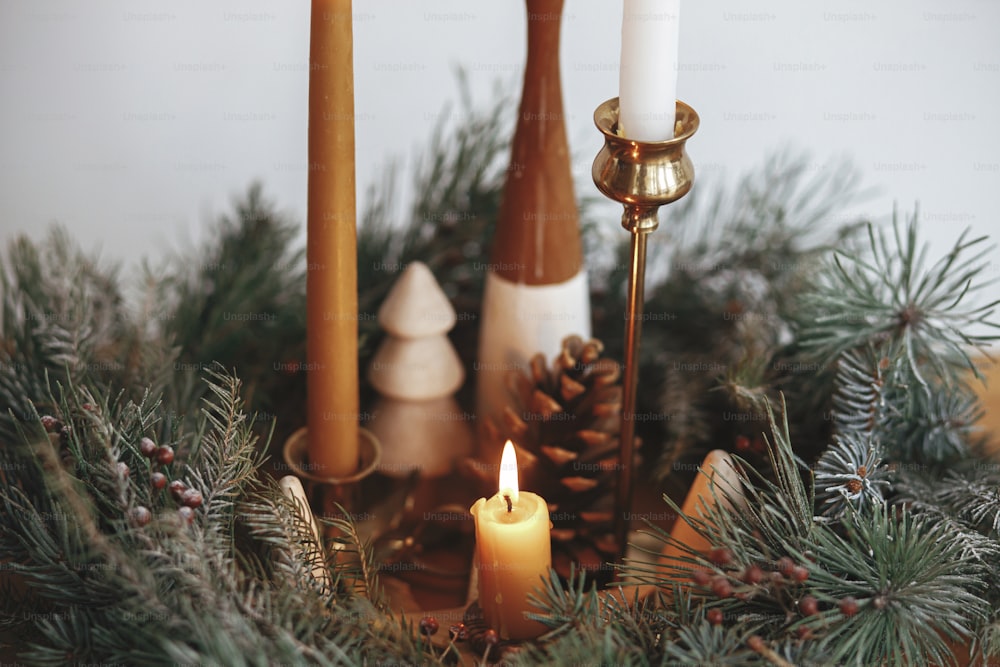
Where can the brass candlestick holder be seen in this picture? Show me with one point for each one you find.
(327, 493)
(642, 176)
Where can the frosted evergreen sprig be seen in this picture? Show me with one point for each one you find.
(850, 473)
(913, 583)
(892, 295)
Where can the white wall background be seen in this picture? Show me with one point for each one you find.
(132, 122)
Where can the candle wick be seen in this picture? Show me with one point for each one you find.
(510, 505)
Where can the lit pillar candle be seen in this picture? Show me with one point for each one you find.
(331, 247)
(647, 85)
(513, 552)
(718, 471)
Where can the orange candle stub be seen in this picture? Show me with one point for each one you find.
(719, 471)
(513, 553)
(331, 255)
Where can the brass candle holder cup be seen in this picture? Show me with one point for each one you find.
(327, 492)
(642, 176)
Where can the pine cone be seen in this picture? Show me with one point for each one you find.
(564, 423)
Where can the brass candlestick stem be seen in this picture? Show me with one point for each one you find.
(642, 176)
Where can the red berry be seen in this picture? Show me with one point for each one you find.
(848, 606)
(714, 616)
(808, 605)
(428, 625)
(803, 632)
(742, 443)
(186, 513)
(158, 480)
(785, 566)
(147, 447)
(753, 575)
(139, 516)
(700, 577)
(458, 632)
(165, 454)
(51, 424)
(192, 498)
(721, 556)
(177, 487)
(491, 637)
(122, 468)
(800, 573)
(721, 587)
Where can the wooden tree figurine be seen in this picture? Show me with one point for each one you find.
(416, 372)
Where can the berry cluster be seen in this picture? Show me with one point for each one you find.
(188, 499)
(783, 580)
(160, 456)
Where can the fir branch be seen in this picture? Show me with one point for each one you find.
(739, 262)
(893, 296)
(759, 521)
(612, 624)
(225, 460)
(238, 302)
(458, 186)
(356, 558)
(62, 317)
(936, 428)
(859, 401)
(850, 474)
(565, 605)
(878, 398)
(291, 550)
(964, 495)
(914, 586)
(702, 643)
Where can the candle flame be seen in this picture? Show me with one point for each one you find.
(508, 472)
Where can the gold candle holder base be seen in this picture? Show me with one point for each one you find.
(328, 492)
(642, 176)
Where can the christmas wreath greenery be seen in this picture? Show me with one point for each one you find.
(138, 524)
